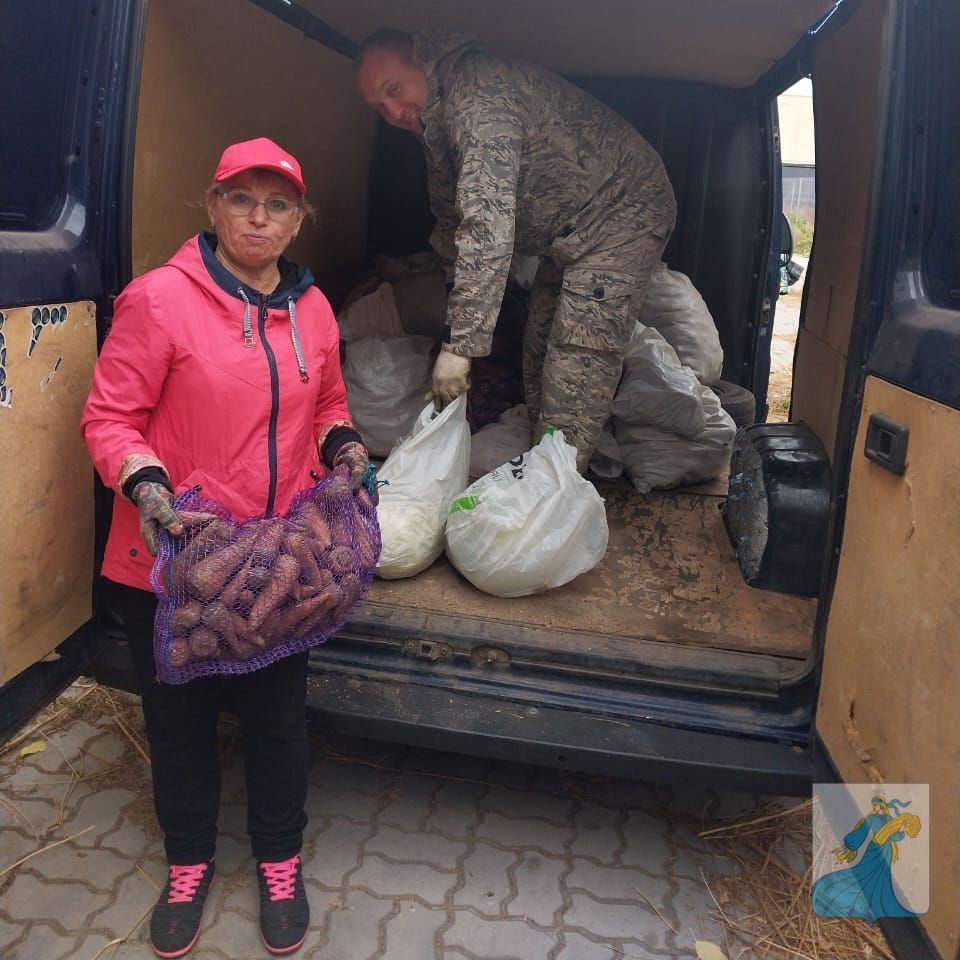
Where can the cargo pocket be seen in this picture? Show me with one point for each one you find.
(594, 313)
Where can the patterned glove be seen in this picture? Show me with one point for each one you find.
(354, 455)
(155, 503)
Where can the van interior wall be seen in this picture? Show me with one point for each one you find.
(221, 71)
(846, 80)
(711, 143)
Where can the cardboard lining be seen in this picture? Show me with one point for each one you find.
(730, 43)
(845, 97)
(218, 72)
(46, 565)
(892, 661)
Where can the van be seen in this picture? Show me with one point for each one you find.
(664, 662)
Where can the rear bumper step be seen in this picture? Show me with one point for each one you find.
(454, 721)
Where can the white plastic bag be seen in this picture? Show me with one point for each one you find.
(499, 442)
(387, 379)
(656, 389)
(422, 476)
(656, 459)
(529, 525)
(373, 315)
(673, 305)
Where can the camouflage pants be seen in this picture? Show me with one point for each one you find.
(577, 333)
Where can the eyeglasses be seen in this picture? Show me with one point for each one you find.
(241, 204)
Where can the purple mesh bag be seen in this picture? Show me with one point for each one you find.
(236, 596)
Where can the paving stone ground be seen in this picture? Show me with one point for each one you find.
(410, 855)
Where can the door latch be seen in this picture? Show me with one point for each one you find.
(886, 443)
(432, 650)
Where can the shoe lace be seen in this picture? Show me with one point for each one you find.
(184, 881)
(281, 878)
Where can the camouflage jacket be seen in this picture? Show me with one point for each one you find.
(517, 157)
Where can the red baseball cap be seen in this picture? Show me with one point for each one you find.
(263, 154)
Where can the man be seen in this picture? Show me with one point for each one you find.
(518, 158)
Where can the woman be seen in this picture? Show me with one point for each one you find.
(221, 368)
(867, 890)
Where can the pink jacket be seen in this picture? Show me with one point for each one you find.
(218, 385)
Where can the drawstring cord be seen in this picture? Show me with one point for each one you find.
(247, 328)
(295, 337)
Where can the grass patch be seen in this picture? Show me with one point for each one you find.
(802, 233)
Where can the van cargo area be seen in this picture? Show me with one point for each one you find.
(667, 612)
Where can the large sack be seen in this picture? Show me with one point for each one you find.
(419, 481)
(530, 525)
(656, 459)
(499, 442)
(372, 315)
(387, 380)
(606, 462)
(656, 389)
(673, 305)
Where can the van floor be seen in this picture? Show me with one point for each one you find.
(669, 574)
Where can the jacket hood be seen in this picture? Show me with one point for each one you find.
(196, 260)
(435, 45)
(294, 279)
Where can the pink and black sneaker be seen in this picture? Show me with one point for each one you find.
(175, 922)
(284, 911)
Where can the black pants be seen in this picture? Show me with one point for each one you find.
(181, 721)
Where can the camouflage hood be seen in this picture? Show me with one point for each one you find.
(434, 45)
(440, 52)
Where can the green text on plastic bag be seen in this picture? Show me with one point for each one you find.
(463, 503)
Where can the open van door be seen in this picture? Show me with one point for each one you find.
(889, 701)
(60, 70)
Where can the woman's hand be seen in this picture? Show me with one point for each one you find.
(355, 457)
(155, 503)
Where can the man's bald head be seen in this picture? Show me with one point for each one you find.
(390, 78)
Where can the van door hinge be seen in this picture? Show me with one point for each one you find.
(431, 650)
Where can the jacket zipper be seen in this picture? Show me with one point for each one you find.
(274, 403)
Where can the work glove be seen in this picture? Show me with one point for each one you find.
(155, 503)
(362, 472)
(451, 377)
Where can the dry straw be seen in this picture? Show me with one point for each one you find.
(764, 904)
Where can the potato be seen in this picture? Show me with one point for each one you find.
(179, 653)
(341, 560)
(204, 642)
(186, 617)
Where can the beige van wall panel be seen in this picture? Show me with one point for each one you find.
(892, 663)
(683, 38)
(222, 71)
(46, 528)
(818, 387)
(331, 133)
(845, 90)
